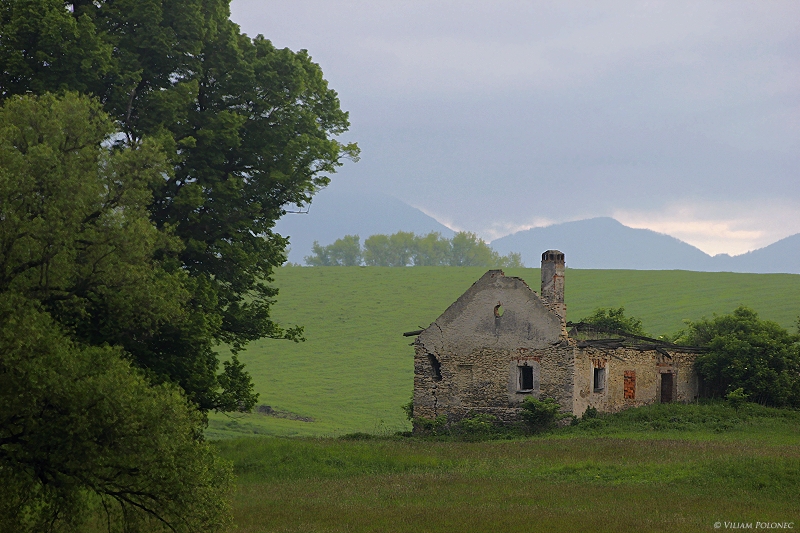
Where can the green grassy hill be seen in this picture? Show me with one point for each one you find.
(356, 369)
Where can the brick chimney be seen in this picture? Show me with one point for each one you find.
(553, 281)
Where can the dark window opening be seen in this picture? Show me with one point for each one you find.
(599, 379)
(436, 367)
(666, 387)
(525, 378)
(498, 310)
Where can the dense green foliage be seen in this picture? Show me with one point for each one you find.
(663, 467)
(758, 356)
(472, 428)
(76, 237)
(355, 369)
(83, 434)
(614, 320)
(343, 252)
(146, 236)
(245, 128)
(135, 237)
(407, 249)
(541, 414)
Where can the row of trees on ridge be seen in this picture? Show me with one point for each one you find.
(407, 249)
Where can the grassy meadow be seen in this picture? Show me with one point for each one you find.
(658, 468)
(355, 370)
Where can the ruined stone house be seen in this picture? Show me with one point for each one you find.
(501, 343)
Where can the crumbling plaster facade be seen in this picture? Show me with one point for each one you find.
(501, 343)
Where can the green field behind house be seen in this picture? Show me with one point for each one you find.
(355, 370)
(677, 468)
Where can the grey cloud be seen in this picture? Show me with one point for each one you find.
(493, 114)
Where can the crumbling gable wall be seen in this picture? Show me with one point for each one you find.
(496, 338)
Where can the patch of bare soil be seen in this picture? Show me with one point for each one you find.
(278, 413)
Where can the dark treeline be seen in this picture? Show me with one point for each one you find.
(407, 249)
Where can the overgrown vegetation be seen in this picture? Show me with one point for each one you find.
(407, 249)
(542, 414)
(747, 357)
(538, 415)
(699, 420)
(472, 428)
(543, 417)
(615, 320)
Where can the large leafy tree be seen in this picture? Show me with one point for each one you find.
(389, 250)
(343, 252)
(745, 352)
(81, 289)
(246, 128)
(84, 436)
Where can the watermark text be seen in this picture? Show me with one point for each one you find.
(753, 525)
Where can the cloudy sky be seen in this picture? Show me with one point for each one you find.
(496, 116)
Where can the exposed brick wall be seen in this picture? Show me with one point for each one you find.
(630, 385)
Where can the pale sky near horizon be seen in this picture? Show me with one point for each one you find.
(681, 117)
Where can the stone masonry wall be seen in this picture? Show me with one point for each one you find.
(644, 368)
(468, 360)
(488, 380)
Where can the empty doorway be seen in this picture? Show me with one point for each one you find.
(667, 381)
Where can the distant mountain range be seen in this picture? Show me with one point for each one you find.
(605, 243)
(601, 243)
(780, 256)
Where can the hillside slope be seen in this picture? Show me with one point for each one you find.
(356, 369)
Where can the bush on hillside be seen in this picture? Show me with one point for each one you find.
(615, 319)
(541, 415)
(737, 398)
(408, 409)
(757, 357)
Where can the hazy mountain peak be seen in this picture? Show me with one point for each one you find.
(599, 242)
(336, 213)
(605, 243)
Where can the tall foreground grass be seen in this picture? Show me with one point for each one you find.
(356, 369)
(660, 468)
